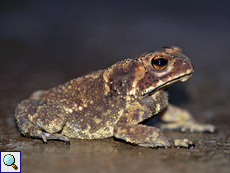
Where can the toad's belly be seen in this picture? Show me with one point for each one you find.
(92, 128)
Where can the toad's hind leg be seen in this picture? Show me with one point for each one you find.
(37, 119)
(177, 118)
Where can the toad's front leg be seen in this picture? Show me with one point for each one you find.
(147, 136)
(39, 120)
(142, 135)
(178, 118)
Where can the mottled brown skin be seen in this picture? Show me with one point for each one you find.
(112, 102)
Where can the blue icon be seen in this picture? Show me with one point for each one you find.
(9, 160)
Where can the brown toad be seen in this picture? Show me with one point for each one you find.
(112, 102)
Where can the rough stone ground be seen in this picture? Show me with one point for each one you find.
(45, 43)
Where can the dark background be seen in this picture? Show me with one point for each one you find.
(45, 43)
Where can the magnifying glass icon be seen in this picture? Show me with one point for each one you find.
(9, 160)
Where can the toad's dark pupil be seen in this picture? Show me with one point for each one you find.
(160, 62)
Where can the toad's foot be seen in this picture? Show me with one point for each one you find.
(47, 136)
(147, 136)
(185, 143)
(177, 118)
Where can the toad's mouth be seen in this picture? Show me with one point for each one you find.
(163, 86)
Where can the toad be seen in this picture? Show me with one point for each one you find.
(113, 102)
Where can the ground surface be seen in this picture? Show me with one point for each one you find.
(45, 43)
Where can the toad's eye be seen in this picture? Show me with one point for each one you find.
(159, 62)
